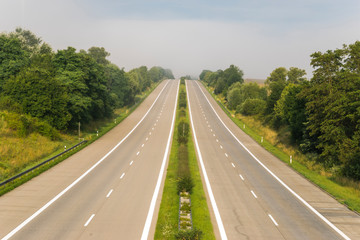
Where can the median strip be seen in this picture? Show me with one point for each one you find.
(174, 213)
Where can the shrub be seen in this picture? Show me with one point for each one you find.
(193, 234)
(185, 184)
(252, 107)
(183, 132)
(182, 99)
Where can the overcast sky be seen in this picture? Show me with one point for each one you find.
(188, 36)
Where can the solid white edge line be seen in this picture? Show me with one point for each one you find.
(253, 194)
(207, 182)
(29, 219)
(89, 220)
(278, 179)
(273, 220)
(108, 195)
(150, 214)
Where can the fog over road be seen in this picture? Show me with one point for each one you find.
(112, 200)
(252, 202)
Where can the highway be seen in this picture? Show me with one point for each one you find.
(109, 190)
(252, 194)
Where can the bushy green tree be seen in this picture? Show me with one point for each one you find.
(12, 57)
(40, 95)
(252, 107)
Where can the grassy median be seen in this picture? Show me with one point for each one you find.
(167, 224)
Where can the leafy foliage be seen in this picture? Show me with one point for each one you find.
(66, 87)
(323, 114)
(193, 234)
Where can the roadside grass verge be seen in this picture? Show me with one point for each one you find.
(167, 224)
(30, 151)
(344, 191)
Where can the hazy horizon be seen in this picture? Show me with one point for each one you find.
(187, 36)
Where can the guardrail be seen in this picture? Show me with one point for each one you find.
(39, 165)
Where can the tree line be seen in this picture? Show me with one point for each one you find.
(66, 86)
(322, 114)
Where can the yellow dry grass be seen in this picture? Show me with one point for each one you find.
(18, 153)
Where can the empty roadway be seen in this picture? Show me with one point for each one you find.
(112, 201)
(252, 203)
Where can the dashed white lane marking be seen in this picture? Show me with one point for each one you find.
(272, 219)
(221, 146)
(277, 178)
(122, 175)
(108, 195)
(233, 164)
(242, 178)
(152, 129)
(253, 194)
(89, 220)
(150, 214)
(214, 134)
(226, 155)
(142, 145)
(157, 120)
(43, 208)
(137, 153)
(149, 133)
(217, 140)
(210, 130)
(146, 139)
(207, 182)
(131, 163)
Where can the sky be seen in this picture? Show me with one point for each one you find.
(189, 36)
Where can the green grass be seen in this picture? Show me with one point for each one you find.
(347, 195)
(49, 148)
(167, 224)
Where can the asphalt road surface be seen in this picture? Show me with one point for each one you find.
(109, 190)
(253, 195)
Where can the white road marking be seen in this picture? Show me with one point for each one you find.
(277, 178)
(214, 134)
(221, 146)
(207, 182)
(146, 139)
(152, 129)
(226, 155)
(253, 194)
(89, 220)
(150, 214)
(233, 164)
(149, 133)
(242, 178)
(217, 140)
(38, 212)
(272, 219)
(157, 120)
(210, 130)
(131, 163)
(108, 195)
(137, 153)
(122, 175)
(208, 125)
(142, 145)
